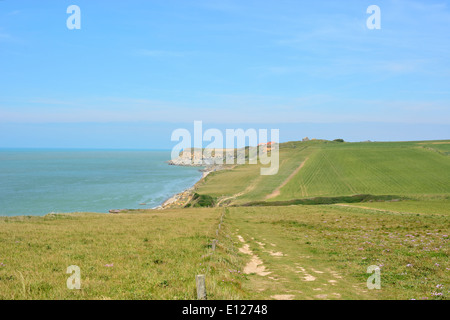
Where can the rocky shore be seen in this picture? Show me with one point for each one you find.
(182, 198)
(187, 160)
(195, 158)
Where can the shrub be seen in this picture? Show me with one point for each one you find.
(201, 200)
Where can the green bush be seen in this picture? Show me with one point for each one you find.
(201, 200)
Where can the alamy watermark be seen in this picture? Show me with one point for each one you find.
(74, 20)
(374, 281)
(74, 281)
(223, 150)
(374, 21)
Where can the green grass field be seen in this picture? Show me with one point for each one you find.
(309, 252)
(340, 169)
(335, 245)
(418, 171)
(264, 251)
(244, 183)
(143, 255)
(364, 169)
(434, 206)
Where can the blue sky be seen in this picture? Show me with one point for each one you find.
(139, 69)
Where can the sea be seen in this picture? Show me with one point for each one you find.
(41, 181)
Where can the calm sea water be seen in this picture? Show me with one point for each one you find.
(37, 182)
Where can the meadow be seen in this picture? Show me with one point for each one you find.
(134, 255)
(296, 252)
(323, 252)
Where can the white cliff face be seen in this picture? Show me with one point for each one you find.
(198, 158)
(216, 157)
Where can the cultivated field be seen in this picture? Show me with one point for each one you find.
(396, 169)
(404, 169)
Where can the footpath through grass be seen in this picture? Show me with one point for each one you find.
(244, 183)
(323, 252)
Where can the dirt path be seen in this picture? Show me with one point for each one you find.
(294, 275)
(247, 190)
(282, 268)
(276, 192)
(255, 265)
(373, 209)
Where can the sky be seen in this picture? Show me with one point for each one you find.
(137, 70)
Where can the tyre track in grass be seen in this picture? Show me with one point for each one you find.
(250, 188)
(339, 175)
(277, 191)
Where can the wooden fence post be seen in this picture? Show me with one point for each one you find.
(201, 287)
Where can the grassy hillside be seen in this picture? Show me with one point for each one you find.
(411, 169)
(430, 206)
(324, 251)
(347, 169)
(296, 252)
(135, 255)
(442, 147)
(244, 182)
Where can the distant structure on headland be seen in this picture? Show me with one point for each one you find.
(266, 146)
(305, 139)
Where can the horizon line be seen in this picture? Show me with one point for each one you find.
(164, 149)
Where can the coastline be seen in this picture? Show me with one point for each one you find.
(181, 198)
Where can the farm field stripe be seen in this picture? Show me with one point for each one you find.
(276, 192)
